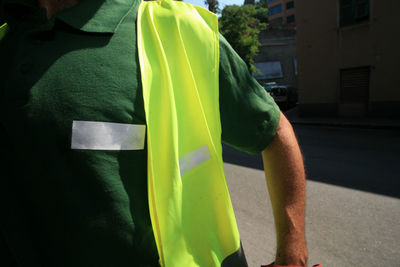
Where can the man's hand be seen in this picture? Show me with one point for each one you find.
(284, 170)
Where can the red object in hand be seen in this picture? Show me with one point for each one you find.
(273, 265)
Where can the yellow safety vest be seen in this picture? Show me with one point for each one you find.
(191, 211)
(3, 30)
(190, 207)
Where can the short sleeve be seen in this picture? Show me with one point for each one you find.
(249, 115)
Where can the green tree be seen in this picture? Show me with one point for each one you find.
(212, 5)
(262, 3)
(241, 26)
(249, 2)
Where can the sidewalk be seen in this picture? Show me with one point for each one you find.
(372, 123)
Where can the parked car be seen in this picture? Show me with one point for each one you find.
(269, 86)
(285, 96)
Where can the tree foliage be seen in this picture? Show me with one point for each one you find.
(249, 2)
(212, 5)
(241, 26)
(262, 3)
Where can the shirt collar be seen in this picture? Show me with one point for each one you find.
(97, 16)
(101, 16)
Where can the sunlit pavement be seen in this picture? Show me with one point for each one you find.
(353, 214)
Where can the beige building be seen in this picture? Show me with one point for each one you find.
(348, 54)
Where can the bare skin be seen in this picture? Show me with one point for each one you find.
(285, 175)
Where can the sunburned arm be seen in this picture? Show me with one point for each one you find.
(285, 176)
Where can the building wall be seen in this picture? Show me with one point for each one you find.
(279, 45)
(324, 49)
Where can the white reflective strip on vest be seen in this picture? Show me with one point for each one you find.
(194, 159)
(96, 135)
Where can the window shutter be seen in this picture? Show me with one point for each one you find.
(354, 85)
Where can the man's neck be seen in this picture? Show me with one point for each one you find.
(53, 6)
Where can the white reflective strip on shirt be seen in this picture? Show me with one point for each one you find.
(96, 135)
(194, 159)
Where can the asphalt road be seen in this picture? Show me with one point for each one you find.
(353, 198)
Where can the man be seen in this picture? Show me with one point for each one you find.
(64, 62)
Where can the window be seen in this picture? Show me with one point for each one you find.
(289, 5)
(353, 11)
(269, 70)
(277, 21)
(275, 10)
(290, 19)
(271, 1)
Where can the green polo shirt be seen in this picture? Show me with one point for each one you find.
(62, 205)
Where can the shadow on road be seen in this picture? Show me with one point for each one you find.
(237, 157)
(361, 159)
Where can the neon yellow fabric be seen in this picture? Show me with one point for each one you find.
(192, 215)
(3, 30)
